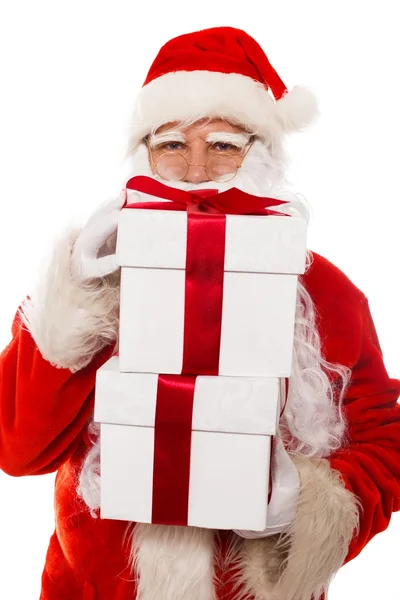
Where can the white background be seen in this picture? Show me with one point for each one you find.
(69, 72)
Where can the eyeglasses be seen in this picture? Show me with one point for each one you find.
(219, 167)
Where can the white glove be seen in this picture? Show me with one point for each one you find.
(85, 261)
(285, 493)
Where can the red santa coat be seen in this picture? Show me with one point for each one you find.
(44, 413)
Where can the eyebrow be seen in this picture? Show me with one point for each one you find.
(173, 135)
(237, 139)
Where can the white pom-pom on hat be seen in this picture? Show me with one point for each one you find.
(296, 109)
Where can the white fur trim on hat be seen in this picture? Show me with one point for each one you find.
(193, 95)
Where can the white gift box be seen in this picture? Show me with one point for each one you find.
(263, 257)
(233, 421)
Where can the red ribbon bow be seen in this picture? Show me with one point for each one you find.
(230, 202)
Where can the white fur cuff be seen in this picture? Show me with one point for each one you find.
(300, 564)
(71, 321)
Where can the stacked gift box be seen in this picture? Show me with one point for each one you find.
(189, 407)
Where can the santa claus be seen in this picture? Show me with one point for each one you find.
(212, 112)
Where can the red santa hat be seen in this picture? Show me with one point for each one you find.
(219, 73)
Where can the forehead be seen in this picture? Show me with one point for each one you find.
(202, 127)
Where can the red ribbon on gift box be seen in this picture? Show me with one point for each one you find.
(204, 279)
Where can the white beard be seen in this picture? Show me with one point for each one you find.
(312, 423)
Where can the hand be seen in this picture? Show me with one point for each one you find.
(285, 493)
(85, 261)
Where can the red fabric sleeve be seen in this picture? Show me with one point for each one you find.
(370, 461)
(43, 409)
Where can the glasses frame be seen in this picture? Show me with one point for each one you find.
(155, 163)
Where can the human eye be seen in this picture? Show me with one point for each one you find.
(171, 147)
(227, 147)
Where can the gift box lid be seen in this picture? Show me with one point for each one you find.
(260, 244)
(246, 405)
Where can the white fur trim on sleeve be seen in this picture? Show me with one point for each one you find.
(71, 321)
(300, 564)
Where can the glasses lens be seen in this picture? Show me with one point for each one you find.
(221, 168)
(172, 167)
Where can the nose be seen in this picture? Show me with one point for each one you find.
(196, 174)
(197, 160)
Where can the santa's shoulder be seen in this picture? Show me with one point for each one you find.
(329, 286)
(340, 308)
